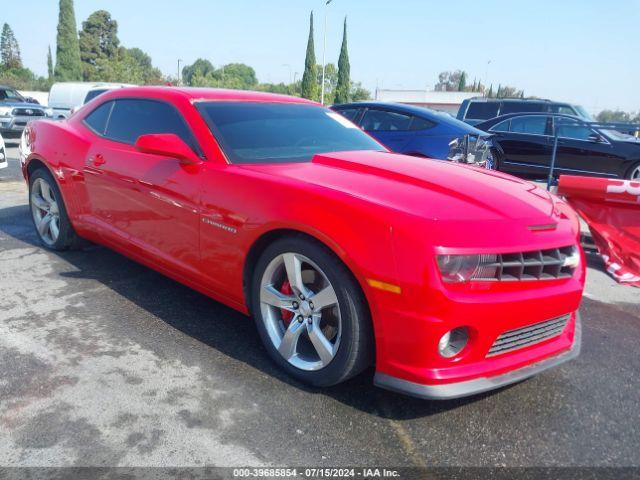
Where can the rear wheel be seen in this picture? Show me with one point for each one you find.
(310, 312)
(49, 213)
(634, 173)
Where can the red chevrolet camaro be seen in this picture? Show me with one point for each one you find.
(451, 280)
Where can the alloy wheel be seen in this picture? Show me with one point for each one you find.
(300, 311)
(635, 174)
(45, 211)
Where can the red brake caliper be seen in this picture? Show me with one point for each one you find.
(287, 316)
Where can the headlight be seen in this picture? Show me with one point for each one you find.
(458, 268)
(462, 268)
(48, 112)
(6, 111)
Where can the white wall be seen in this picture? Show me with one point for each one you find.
(42, 97)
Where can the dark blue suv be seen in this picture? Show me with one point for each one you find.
(407, 129)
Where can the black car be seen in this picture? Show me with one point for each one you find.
(480, 109)
(522, 144)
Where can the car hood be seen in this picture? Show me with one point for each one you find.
(22, 105)
(431, 189)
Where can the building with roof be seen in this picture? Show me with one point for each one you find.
(444, 101)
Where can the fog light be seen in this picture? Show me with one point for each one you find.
(453, 342)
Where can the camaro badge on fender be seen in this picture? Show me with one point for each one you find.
(222, 226)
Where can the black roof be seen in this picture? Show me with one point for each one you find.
(494, 121)
(516, 99)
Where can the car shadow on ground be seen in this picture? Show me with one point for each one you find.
(213, 324)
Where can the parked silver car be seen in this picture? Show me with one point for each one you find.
(16, 111)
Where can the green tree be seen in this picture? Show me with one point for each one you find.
(238, 76)
(9, 49)
(359, 93)
(309, 88)
(200, 68)
(490, 94)
(99, 44)
(49, 64)
(330, 79)
(462, 82)
(449, 81)
(68, 66)
(130, 65)
(343, 87)
(606, 116)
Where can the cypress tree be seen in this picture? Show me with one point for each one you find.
(343, 87)
(49, 64)
(462, 83)
(499, 92)
(309, 87)
(68, 67)
(9, 49)
(490, 94)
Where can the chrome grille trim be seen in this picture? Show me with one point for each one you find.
(24, 112)
(546, 264)
(529, 335)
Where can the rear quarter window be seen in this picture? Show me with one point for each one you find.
(97, 119)
(482, 110)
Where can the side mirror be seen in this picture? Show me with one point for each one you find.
(167, 145)
(595, 138)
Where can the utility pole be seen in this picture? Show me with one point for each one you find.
(324, 50)
(179, 80)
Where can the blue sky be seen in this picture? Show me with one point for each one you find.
(574, 50)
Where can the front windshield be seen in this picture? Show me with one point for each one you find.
(583, 113)
(251, 132)
(7, 94)
(619, 136)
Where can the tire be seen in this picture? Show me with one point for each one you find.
(46, 202)
(634, 173)
(497, 160)
(345, 323)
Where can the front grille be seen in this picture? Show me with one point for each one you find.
(530, 335)
(28, 112)
(534, 265)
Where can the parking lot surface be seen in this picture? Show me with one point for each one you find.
(104, 362)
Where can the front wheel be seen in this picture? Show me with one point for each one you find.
(310, 312)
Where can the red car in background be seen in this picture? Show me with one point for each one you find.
(451, 280)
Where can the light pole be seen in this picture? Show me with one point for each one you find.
(179, 75)
(324, 50)
(287, 65)
(486, 75)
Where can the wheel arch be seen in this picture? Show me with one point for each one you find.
(262, 242)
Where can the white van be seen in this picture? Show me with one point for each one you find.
(67, 96)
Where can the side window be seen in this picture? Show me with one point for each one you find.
(380, 120)
(350, 113)
(564, 109)
(482, 110)
(131, 118)
(522, 107)
(501, 127)
(532, 125)
(566, 128)
(97, 120)
(418, 123)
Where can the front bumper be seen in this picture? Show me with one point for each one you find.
(466, 388)
(12, 127)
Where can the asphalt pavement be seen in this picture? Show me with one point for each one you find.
(104, 362)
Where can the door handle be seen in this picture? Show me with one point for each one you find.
(98, 160)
